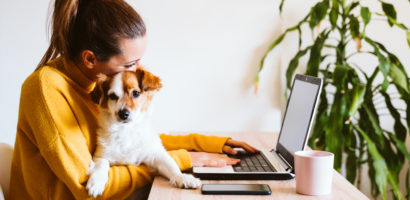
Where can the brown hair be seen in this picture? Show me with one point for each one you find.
(95, 25)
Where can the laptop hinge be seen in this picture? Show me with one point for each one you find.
(282, 160)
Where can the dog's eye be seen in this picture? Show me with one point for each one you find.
(112, 96)
(135, 94)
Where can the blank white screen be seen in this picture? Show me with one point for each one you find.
(298, 114)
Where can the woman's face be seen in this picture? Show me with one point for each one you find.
(132, 52)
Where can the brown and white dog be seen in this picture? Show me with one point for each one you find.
(125, 135)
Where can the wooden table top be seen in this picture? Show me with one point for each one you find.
(341, 188)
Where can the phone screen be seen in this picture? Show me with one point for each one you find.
(235, 189)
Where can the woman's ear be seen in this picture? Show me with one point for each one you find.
(88, 59)
(147, 81)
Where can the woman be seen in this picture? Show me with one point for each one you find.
(57, 118)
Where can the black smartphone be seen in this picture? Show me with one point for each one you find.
(255, 189)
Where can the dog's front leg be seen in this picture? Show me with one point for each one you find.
(98, 176)
(168, 168)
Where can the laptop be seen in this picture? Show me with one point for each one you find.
(276, 164)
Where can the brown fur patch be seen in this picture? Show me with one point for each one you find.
(130, 83)
(147, 80)
(100, 90)
(105, 86)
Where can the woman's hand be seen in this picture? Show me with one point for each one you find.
(203, 159)
(230, 144)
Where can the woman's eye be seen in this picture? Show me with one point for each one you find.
(129, 66)
(135, 94)
(113, 96)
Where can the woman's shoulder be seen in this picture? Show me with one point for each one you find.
(48, 76)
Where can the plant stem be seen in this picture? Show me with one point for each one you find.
(357, 52)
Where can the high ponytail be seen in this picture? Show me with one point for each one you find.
(64, 14)
(95, 25)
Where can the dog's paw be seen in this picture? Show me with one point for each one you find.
(186, 181)
(96, 183)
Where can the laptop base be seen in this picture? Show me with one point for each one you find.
(245, 176)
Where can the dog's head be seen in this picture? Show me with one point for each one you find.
(125, 95)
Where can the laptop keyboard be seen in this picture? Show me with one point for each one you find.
(252, 163)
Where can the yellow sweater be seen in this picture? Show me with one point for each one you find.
(56, 139)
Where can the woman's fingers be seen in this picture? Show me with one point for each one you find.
(229, 150)
(202, 159)
(222, 162)
(244, 145)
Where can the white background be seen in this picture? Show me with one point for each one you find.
(206, 53)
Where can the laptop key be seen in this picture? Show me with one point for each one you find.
(253, 169)
(259, 169)
(238, 169)
(268, 169)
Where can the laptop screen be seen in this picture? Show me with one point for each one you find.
(299, 113)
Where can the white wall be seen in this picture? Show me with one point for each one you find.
(206, 53)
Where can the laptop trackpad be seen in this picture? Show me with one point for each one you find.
(226, 169)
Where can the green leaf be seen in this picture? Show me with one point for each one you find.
(357, 99)
(281, 5)
(374, 120)
(274, 44)
(399, 77)
(293, 66)
(351, 164)
(389, 10)
(401, 146)
(300, 38)
(318, 136)
(366, 15)
(395, 186)
(271, 47)
(398, 72)
(352, 5)
(408, 38)
(372, 176)
(399, 128)
(351, 167)
(315, 55)
(384, 68)
(354, 26)
(393, 21)
(318, 13)
(379, 164)
(334, 131)
(333, 15)
(339, 76)
(316, 141)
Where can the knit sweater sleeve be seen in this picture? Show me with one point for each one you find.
(194, 142)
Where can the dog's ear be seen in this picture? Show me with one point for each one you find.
(97, 93)
(147, 81)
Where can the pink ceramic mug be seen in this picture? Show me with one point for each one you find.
(313, 171)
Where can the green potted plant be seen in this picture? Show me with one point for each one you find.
(347, 121)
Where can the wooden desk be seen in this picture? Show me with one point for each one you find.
(341, 188)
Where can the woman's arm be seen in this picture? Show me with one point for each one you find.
(212, 144)
(194, 142)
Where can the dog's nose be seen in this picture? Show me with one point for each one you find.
(123, 114)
